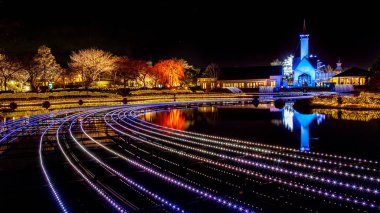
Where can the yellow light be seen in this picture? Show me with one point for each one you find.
(27, 88)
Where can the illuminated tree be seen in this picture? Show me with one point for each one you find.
(185, 64)
(44, 66)
(68, 76)
(9, 69)
(191, 74)
(121, 69)
(212, 71)
(155, 77)
(276, 62)
(127, 69)
(22, 76)
(143, 71)
(171, 72)
(91, 63)
(287, 65)
(328, 69)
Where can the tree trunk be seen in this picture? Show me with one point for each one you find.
(64, 83)
(5, 84)
(125, 83)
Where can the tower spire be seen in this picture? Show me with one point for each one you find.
(338, 68)
(304, 40)
(304, 26)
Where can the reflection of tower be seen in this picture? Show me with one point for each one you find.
(305, 120)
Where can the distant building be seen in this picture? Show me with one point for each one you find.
(305, 66)
(244, 77)
(355, 76)
(308, 70)
(338, 68)
(323, 76)
(305, 70)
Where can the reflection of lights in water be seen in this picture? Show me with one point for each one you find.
(305, 121)
(206, 109)
(320, 118)
(287, 118)
(353, 115)
(173, 119)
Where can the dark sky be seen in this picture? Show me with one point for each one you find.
(235, 33)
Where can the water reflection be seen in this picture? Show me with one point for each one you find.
(305, 121)
(173, 119)
(209, 117)
(289, 116)
(351, 115)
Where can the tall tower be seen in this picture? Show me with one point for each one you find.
(304, 40)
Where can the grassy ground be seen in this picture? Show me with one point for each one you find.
(28, 105)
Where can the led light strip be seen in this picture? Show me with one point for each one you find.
(275, 160)
(256, 156)
(208, 195)
(326, 194)
(101, 192)
(275, 147)
(266, 151)
(153, 195)
(253, 163)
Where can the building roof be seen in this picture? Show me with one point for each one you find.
(355, 71)
(312, 60)
(241, 73)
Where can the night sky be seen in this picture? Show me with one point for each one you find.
(236, 33)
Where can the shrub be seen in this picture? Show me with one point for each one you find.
(44, 88)
(221, 90)
(303, 106)
(255, 101)
(13, 106)
(279, 103)
(339, 100)
(124, 92)
(80, 102)
(195, 89)
(46, 104)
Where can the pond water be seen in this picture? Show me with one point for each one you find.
(355, 133)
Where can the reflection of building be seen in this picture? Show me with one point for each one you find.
(354, 76)
(305, 121)
(244, 77)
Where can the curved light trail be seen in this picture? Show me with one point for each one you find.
(134, 165)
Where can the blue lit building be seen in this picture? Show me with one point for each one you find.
(304, 66)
